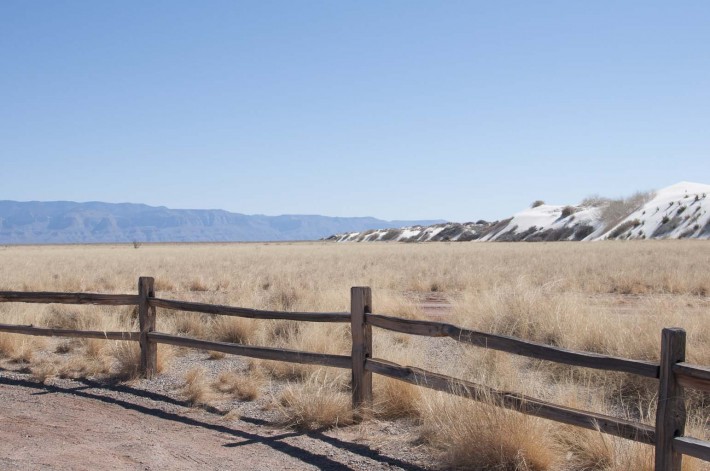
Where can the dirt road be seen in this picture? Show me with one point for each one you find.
(85, 426)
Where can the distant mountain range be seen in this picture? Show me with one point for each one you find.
(63, 222)
(680, 211)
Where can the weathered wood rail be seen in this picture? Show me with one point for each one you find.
(673, 373)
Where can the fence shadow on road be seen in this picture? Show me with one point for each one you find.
(89, 389)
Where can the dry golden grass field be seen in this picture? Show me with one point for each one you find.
(605, 297)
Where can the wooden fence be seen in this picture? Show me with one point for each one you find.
(673, 373)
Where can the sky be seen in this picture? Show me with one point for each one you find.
(394, 109)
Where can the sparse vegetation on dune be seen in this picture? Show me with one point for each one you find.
(606, 297)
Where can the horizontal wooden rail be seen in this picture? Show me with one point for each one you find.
(693, 447)
(514, 345)
(693, 376)
(527, 405)
(47, 332)
(47, 297)
(265, 353)
(250, 313)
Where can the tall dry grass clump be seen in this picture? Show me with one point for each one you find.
(197, 390)
(474, 435)
(126, 357)
(186, 324)
(15, 347)
(590, 449)
(245, 387)
(394, 399)
(19, 348)
(522, 310)
(313, 337)
(234, 329)
(316, 403)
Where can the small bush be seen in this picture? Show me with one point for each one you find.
(561, 233)
(567, 211)
(624, 227)
(583, 231)
(391, 234)
(594, 201)
(64, 347)
(618, 209)
(197, 285)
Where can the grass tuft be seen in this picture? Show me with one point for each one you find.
(241, 386)
(315, 404)
(472, 435)
(197, 390)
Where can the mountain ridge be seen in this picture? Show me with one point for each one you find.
(64, 222)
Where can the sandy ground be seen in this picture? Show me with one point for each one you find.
(80, 425)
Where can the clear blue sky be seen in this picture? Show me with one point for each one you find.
(393, 109)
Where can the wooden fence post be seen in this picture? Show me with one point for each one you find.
(146, 319)
(670, 414)
(360, 304)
